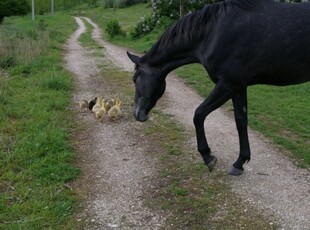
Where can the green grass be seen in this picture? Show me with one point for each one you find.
(36, 159)
(86, 38)
(279, 113)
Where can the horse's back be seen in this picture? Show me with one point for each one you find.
(271, 44)
(285, 45)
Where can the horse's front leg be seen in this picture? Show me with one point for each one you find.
(219, 95)
(241, 117)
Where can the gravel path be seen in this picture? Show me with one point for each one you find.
(114, 165)
(271, 182)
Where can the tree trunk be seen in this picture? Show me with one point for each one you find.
(182, 8)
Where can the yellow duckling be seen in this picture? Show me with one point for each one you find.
(97, 105)
(109, 103)
(101, 111)
(115, 111)
(83, 104)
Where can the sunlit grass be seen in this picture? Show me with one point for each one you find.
(36, 160)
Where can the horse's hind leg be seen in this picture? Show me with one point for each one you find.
(220, 94)
(240, 109)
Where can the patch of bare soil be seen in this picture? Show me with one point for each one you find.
(117, 168)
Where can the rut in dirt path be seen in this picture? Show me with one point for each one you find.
(271, 182)
(116, 170)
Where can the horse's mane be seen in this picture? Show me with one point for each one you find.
(191, 27)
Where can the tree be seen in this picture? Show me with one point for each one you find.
(13, 7)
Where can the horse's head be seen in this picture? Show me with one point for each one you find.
(150, 86)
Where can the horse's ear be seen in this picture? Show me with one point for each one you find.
(135, 59)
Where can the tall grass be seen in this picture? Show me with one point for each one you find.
(36, 159)
(21, 47)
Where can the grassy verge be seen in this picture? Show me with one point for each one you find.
(179, 189)
(280, 113)
(36, 161)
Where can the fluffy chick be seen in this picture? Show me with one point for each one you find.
(109, 103)
(101, 111)
(83, 104)
(92, 103)
(97, 105)
(115, 112)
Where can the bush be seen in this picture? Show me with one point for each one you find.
(148, 24)
(143, 27)
(113, 29)
(13, 7)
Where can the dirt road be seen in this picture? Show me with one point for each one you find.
(271, 182)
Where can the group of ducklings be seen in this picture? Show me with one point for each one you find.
(100, 107)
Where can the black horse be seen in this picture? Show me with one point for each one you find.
(240, 43)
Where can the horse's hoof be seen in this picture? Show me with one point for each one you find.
(212, 164)
(235, 172)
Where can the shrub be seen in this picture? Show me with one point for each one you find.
(143, 27)
(13, 7)
(113, 29)
(148, 24)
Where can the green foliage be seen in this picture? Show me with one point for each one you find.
(44, 6)
(13, 7)
(145, 26)
(148, 23)
(121, 3)
(92, 2)
(113, 29)
(171, 8)
(164, 14)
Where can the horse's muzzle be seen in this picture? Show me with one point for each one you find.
(140, 115)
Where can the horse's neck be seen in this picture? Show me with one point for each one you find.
(181, 60)
(172, 59)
